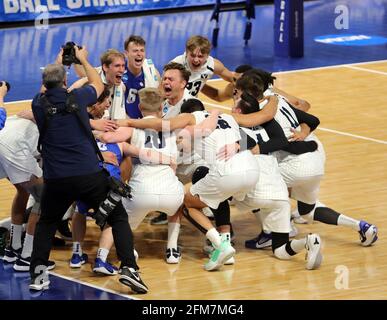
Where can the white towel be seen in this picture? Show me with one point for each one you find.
(150, 74)
(117, 107)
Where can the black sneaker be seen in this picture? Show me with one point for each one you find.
(40, 282)
(4, 236)
(11, 255)
(23, 264)
(131, 278)
(162, 218)
(64, 230)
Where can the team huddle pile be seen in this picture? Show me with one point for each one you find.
(122, 141)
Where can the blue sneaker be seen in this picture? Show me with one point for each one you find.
(368, 233)
(11, 255)
(78, 260)
(263, 240)
(104, 267)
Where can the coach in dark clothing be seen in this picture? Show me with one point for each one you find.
(71, 171)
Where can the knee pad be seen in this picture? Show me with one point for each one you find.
(36, 191)
(306, 211)
(199, 174)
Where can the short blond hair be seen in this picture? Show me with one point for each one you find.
(108, 56)
(198, 42)
(150, 99)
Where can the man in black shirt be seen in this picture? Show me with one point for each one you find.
(71, 171)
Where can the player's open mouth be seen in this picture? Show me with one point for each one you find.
(167, 89)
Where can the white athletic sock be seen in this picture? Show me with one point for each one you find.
(173, 234)
(298, 245)
(102, 253)
(343, 220)
(27, 246)
(214, 236)
(16, 233)
(77, 249)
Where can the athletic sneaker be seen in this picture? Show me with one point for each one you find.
(104, 267)
(208, 248)
(313, 251)
(40, 282)
(263, 240)
(162, 218)
(76, 260)
(11, 254)
(23, 264)
(173, 255)
(297, 217)
(293, 231)
(4, 236)
(131, 278)
(219, 256)
(368, 233)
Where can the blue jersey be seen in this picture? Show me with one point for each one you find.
(3, 117)
(133, 84)
(114, 171)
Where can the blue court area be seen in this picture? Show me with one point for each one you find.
(23, 51)
(14, 286)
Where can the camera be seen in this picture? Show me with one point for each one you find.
(68, 56)
(7, 84)
(118, 189)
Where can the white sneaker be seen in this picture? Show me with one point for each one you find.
(297, 218)
(219, 256)
(230, 261)
(173, 255)
(313, 251)
(294, 231)
(208, 247)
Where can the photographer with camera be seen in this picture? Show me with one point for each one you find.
(4, 88)
(71, 171)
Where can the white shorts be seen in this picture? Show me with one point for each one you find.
(143, 203)
(270, 185)
(275, 214)
(214, 188)
(303, 173)
(18, 171)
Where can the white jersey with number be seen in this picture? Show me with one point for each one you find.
(170, 111)
(152, 178)
(198, 78)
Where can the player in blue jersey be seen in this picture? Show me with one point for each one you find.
(140, 73)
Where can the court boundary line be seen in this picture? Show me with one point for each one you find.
(366, 70)
(319, 128)
(93, 286)
(279, 72)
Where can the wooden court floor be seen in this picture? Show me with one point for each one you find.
(351, 103)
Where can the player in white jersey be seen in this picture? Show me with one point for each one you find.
(202, 66)
(18, 163)
(303, 172)
(234, 177)
(154, 187)
(270, 193)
